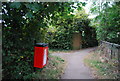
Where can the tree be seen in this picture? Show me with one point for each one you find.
(22, 24)
(66, 26)
(108, 22)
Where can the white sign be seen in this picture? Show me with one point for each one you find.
(45, 57)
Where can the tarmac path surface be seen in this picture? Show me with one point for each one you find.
(75, 68)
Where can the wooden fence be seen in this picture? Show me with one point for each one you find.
(110, 50)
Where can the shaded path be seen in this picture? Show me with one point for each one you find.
(75, 68)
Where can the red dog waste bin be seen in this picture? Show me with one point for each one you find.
(40, 55)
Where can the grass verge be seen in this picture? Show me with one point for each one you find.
(100, 69)
(53, 70)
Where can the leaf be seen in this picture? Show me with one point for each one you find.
(21, 56)
(15, 5)
(83, 4)
(29, 15)
(34, 7)
(79, 8)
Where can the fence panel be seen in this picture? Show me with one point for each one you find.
(110, 50)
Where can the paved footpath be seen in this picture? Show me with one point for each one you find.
(75, 68)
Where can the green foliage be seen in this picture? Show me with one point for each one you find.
(108, 22)
(22, 24)
(66, 27)
(61, 39)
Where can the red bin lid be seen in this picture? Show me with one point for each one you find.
(41, 44)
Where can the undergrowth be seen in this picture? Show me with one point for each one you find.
(52, 70)
(101, 70)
